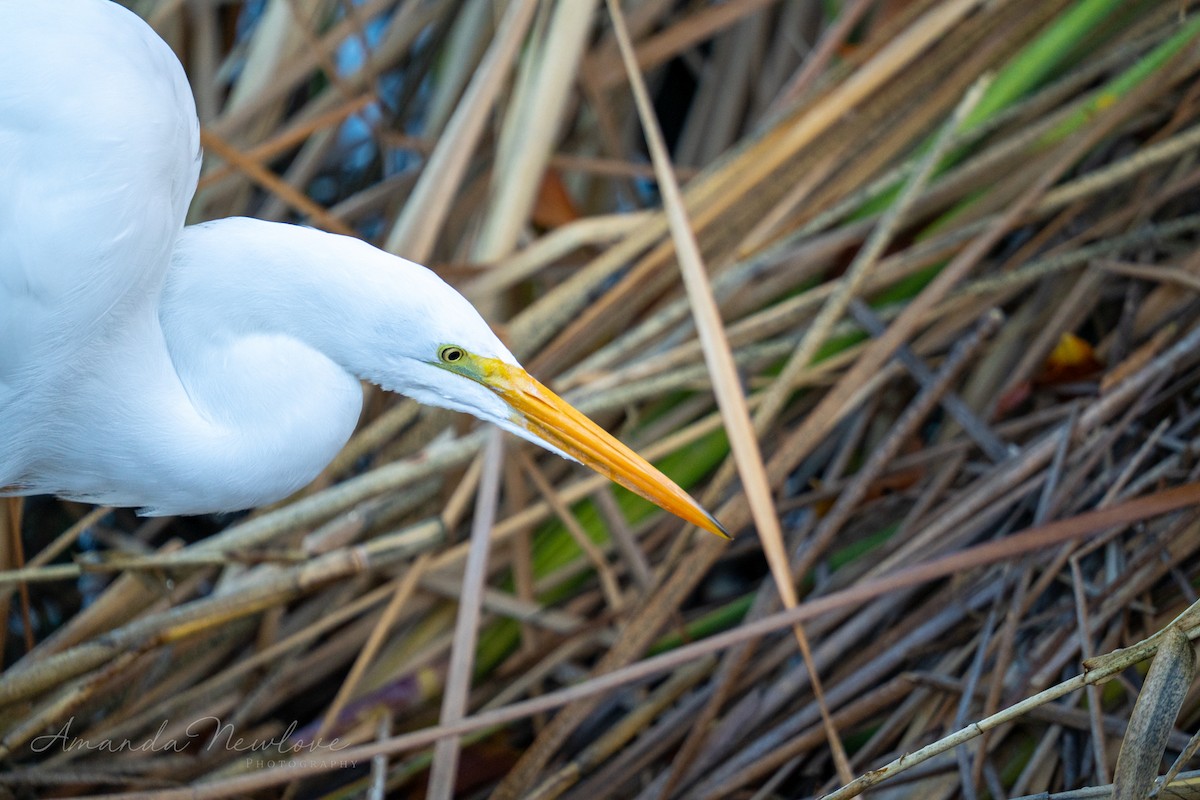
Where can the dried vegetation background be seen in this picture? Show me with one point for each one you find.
(953, 247)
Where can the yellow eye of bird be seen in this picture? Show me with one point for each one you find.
(451, 354)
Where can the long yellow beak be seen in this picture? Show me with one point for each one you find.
(549, 417)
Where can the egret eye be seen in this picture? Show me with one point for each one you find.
(451, 354)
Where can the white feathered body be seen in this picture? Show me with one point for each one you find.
(182, 370)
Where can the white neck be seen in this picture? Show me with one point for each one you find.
(240, 381)
(242, 402)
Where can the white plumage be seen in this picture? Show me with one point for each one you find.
(213, 367)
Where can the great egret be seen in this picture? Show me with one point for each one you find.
(214, 367)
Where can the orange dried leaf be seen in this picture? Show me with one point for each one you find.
(554, 207)
(1072, 359)
(1071, 351)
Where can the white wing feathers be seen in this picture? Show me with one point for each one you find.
(99, 148)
